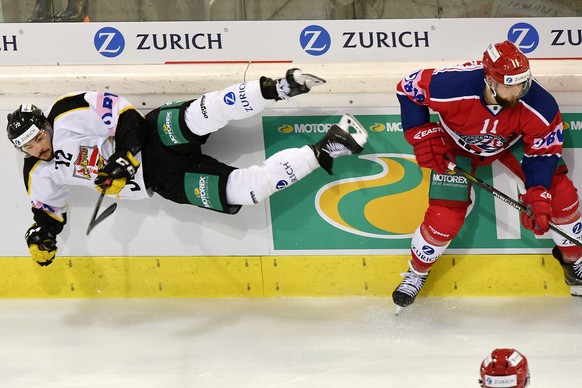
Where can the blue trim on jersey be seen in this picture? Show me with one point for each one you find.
(539, 171)
(412, 115)
(541, 101)
(457, 82)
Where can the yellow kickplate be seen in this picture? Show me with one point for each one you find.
(132, 277)
(271, 276)
(452, 275)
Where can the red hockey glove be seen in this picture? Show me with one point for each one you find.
(538, 200)
(429, 145)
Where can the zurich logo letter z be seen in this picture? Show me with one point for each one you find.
(109, 42)
(525, 36)
(315, 40)
(229, 98)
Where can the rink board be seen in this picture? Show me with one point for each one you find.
(276, 276)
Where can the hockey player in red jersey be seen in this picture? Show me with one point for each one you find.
(100, 140)
(485, 110)
(504, 368)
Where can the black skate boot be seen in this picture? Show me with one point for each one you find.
(294, 83)
(406, 292)
(42, 12)
(76, 11)
(572, 272)
(338, 141)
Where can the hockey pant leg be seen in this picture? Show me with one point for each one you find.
(247, 186)
(215, 110)
(448, 203)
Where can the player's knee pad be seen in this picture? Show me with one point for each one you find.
(564, 197)
(443, 223)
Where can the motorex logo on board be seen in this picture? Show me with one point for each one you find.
(376, 199)
(315, 40)
(525, 37)
(109, 42)
(358, 205)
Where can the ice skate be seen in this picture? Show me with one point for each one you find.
(572, 272)
(42, 12)
(294, 84)
(406, 292)
(338, 141)
(77, 11)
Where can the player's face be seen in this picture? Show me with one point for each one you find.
(508, 95)
(40, 146)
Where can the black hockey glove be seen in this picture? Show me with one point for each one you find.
(42, 245)
(115, 174)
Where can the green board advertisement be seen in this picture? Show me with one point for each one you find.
(375, 200)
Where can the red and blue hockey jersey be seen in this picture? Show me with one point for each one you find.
(456, 94)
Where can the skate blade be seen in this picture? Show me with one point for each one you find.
(311, 80)
(361, 135)
(576, 290)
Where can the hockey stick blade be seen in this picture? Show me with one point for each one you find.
(97, 219)
(510, 201)
(106, 213)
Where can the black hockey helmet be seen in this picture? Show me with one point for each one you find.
(24, 124)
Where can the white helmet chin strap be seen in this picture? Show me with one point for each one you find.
(490, 86)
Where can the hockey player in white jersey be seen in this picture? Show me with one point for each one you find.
(100, 140)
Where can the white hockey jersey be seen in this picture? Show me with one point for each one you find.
(84, 126)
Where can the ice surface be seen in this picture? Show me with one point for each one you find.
(287, 342)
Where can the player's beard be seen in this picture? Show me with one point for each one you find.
(47, 155)
(507, 104)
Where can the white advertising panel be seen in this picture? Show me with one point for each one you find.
(283, 41)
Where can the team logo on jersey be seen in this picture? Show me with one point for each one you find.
(482, 143)
(525, 37)
(88, 163)
(109, 42)
(315, 40)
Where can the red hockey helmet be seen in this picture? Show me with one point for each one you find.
(505, 368)
(506, 64)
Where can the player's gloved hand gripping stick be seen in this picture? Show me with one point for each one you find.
(111, 179)
(510, 201)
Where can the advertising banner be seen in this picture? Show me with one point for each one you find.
(283, 41)
(377, 199)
